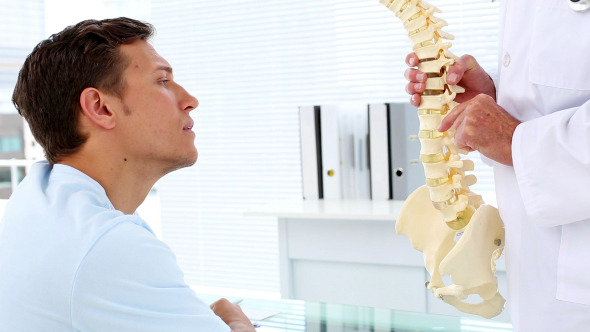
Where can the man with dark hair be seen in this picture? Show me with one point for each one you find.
(74, 255)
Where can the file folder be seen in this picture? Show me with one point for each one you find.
(330, 151)
(380, 151)
(407, 172)
(311, 152)
(320, 152)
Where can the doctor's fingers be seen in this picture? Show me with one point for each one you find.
(463, 138)
(462, 65)
(452, 118)
(415, 76)
(467, 73)
(415, 99)
(416, 85)
(492, 138)
(477, 111)
(412, 59)
(481, 124)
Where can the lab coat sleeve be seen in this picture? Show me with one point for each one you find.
(551, 156)
(130, 281)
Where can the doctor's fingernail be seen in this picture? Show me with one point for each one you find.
(452, 78)
(420, 76)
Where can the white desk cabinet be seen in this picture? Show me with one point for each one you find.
(347, 251)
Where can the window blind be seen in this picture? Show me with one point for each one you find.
(16, 42)
(251, 64)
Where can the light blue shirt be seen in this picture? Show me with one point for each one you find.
(69, 261)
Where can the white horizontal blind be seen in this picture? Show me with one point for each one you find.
(16, 42)
(251, 63)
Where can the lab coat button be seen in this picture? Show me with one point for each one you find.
(506, 59)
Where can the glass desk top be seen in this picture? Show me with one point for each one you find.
(295, 315)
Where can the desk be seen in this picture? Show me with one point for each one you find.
(347, 252)
(295, 315)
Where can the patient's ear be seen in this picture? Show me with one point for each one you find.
(94, 107)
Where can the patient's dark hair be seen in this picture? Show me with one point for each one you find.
(47, 92)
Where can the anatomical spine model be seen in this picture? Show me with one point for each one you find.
(435, 215)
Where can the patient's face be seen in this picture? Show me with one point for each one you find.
(157, 127)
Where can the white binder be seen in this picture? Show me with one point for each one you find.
(355, 179)
(407, 173)
(379, 152)
(330, 151)
(361, 154)
(311, 160)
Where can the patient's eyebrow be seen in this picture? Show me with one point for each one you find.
(165, 68)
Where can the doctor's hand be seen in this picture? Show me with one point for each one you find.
(465, 72)
(481, 124)
(232, 315)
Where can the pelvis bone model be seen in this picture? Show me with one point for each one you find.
(458, 234)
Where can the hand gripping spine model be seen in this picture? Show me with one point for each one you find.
(436, 214)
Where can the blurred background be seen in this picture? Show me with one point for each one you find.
(251, 64)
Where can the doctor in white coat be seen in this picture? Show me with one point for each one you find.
(533, 121)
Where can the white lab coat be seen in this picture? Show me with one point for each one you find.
(544, 200)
